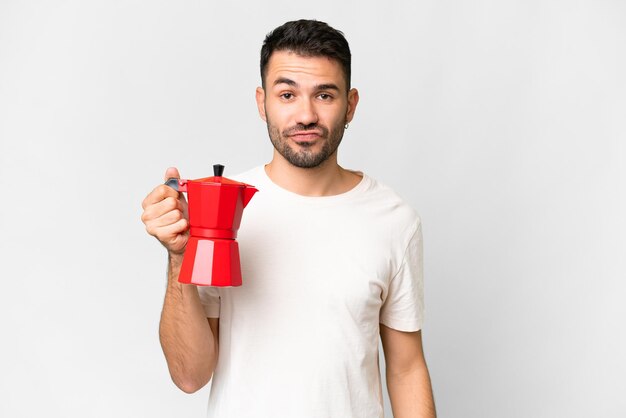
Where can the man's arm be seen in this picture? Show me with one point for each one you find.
(408, 381)
(189, 341)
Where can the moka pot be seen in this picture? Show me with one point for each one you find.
(215, 206)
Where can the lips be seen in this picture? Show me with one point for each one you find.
(305, 136)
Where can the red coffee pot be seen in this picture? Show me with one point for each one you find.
(215, 207)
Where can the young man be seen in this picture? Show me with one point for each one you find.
(331, 260)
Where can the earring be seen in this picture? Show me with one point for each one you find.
(346, 126)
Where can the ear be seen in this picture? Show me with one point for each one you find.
(353, 100)
(260, 102)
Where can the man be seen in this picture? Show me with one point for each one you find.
(331, 261)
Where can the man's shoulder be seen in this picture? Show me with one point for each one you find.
(388, 200)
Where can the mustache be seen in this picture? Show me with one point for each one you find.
(304, 128)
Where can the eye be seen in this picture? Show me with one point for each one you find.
(325, 96)
(287, 96)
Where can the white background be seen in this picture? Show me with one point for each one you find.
(502, 122)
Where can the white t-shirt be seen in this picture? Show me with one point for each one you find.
(300, 337)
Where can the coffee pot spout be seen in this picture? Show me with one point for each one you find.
(248, 192)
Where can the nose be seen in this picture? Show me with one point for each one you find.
(306, 114)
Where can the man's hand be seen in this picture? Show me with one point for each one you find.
(165, 215)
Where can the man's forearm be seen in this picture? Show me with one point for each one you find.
(411, 394)
(186, 337)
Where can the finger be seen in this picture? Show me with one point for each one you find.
(168, 233)
(171, 172)
(158, 194)
(166, 219)
(162, 207)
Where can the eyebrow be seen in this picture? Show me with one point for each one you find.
(283, 80)
(327, 87)
(290, 82)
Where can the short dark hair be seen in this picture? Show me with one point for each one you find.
(308, 38)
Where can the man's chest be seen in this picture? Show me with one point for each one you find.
(316, 260)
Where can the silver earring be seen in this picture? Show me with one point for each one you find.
(346, 126)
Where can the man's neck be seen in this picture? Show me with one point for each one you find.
(327, 179)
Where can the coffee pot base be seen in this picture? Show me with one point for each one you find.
(211, 262)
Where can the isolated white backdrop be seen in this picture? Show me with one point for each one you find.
(502, 122)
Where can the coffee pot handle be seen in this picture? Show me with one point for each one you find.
(177, 184)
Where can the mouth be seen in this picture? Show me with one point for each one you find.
(305, 137)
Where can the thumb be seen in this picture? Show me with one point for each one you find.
(172, 172)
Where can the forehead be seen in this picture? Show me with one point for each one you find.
(304, 70)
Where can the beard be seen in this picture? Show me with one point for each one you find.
(305, 157)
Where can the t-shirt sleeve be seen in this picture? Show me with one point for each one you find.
(210, 299)
(403, 308)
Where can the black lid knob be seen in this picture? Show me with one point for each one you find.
(218, 169)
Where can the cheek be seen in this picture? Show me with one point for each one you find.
(335, 118)
(277, 116)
